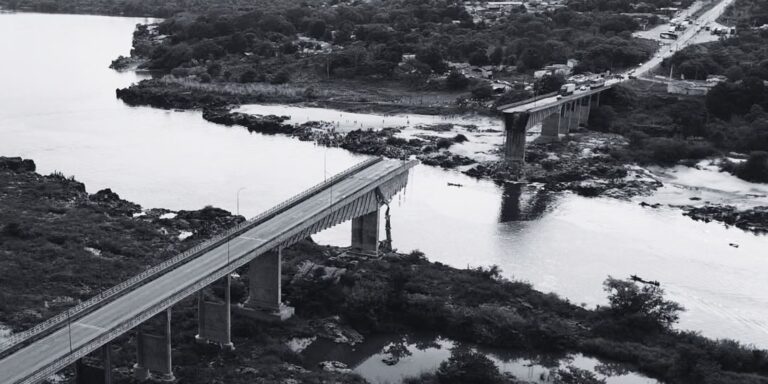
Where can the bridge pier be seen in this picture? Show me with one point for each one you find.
(264, 300)
(214, 320)
(550, 127)
(515, 125)
(365, 233)
(85, 374)
(153, 352)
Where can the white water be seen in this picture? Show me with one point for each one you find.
(58, 108)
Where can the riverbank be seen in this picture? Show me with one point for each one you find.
(52, 226)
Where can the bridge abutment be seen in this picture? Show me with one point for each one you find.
(365, 233)
(214, 320)
(153, 352)
(264, 300)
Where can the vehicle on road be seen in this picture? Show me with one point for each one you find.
(668, 35)
(597, 83)
(567, 89)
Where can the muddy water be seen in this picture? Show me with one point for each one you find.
(58, 108)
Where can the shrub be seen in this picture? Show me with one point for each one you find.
(643, 301)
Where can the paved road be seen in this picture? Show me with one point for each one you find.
(695, 34)
(49, 349)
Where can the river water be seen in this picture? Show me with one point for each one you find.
(57, 106)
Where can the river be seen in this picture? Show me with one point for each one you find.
(58, 107)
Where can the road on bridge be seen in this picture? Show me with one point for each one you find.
(50, 349)
(693, 35)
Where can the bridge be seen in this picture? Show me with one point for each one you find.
(557, 115)
(355, 194)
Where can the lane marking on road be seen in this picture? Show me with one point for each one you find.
(91, 326)
(251, 238)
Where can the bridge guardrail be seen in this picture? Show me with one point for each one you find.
(526, 101)
(84, 307)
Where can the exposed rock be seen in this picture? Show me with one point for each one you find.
(254, 123)
(334, 366)
(169, 95)
(753, 219)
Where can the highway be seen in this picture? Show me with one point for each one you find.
(50, 349)
(695, 34)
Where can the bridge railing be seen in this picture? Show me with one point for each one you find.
(501, 108)
(83, 308)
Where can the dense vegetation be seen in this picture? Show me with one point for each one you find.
(315, 41)
(665, 129)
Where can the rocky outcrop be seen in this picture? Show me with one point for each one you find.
(753, 219)
(168, 95)
(254, 123)
(17, 164)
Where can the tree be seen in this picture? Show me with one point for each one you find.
(456, 81)
(497, 55)
(641, 301)
(316, 29)
(281, 77)
(478, 58)
(432, 57)
(755, 168)
(482, 91)
(549, 83)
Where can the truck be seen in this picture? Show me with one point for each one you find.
(567, 89)
(596, 83)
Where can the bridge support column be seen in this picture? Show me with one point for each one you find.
(550, 127)
(214, 324)
(365, 233)
(515, 125)
(570, 118)
(154, 352)
(85, 374)
(263, 303)
(586, 107)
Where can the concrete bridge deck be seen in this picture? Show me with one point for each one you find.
(348, 198)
